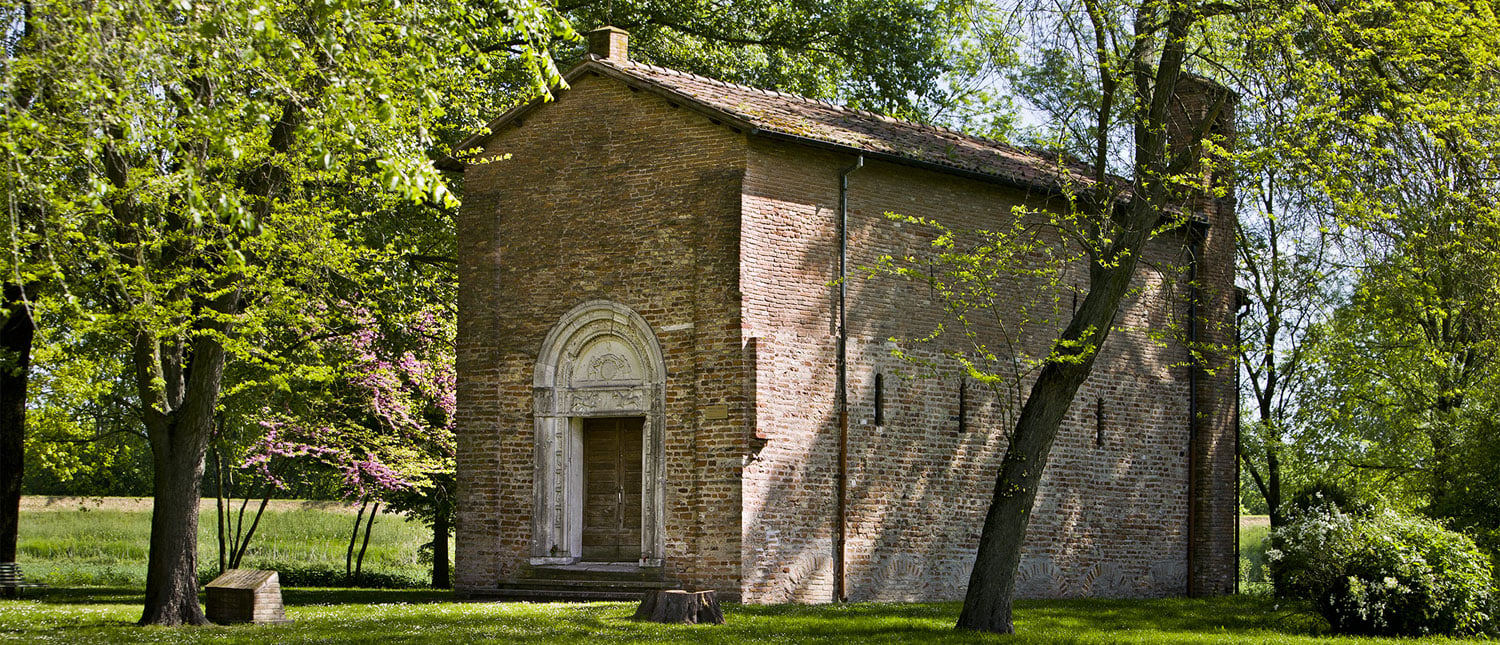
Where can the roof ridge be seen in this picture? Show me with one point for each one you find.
(824, 102)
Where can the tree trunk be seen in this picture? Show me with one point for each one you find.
(179, 422)
(988, 602)
(220, 513)
(244, 543)
(359, 564)
(16, 334)
(680, 607)
(441, 526)
(353, 540)
(172, 566)
(15, 370)
(992, 584)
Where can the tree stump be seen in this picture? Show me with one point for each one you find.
(678, 606)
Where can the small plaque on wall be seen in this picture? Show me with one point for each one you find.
(714, 412)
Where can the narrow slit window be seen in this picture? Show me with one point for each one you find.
(963, 404)
(879, 399)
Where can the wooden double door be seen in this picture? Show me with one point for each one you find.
(612, 489)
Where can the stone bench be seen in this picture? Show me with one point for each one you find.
(12, 581)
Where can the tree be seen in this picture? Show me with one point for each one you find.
(1287, 270)
(384, 430)
(18, 285)
(1287, 278)
(890, 56)
(1397, 126)
(1407, 368)
(16, 332)
(198, 141)
(1129, 59)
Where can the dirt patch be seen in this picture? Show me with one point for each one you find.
(1253, 521)
(38, 503)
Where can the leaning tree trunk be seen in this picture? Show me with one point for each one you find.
(987, 604)
(15, 369)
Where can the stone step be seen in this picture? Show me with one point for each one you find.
(555, 595)
(580, 583)
(592, 572)
(611, 585)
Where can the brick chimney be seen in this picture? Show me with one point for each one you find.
(610, 43)
(1194, 102)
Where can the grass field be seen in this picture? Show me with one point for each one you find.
(73, 542)
(103, 541)
(1253, 530)
(94, 541)
(389, 617)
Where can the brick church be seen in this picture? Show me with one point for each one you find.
(649, 373)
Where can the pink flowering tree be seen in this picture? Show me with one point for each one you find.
(372, 421)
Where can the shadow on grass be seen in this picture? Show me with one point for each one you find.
(388, 617)
(1226, 614)
(309, 596)
(296, 596)
(87, 595)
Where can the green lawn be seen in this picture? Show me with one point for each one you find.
(89, 542)
(1253, 530)
(100, 615)
(67, 546)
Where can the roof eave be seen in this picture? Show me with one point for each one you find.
(991, 178)
(592, 64)
(1048, 189)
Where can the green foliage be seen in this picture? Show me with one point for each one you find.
(82, 430)
(1373, 132)
(902, 57)
(1381, 98)
(1320, 496)
(1384, 573)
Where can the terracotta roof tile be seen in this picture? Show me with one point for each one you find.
(821, 121)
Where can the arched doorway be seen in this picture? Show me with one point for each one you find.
(598, 399)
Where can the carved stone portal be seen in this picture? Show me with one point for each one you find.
(600, 360)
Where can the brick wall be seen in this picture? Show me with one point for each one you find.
(1112, 515)
(615, 195)
(1216, 495)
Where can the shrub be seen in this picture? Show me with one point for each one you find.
(1383, 573)
(1323, 494)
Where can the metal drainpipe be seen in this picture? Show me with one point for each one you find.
(842, 390)
(1237, 493)
(1192, 448)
